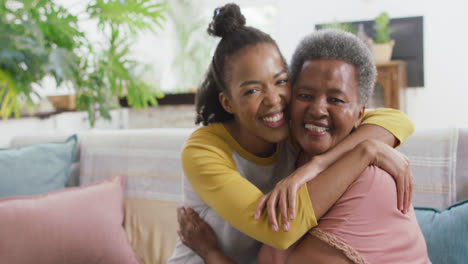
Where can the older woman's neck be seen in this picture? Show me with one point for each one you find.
(303, 158)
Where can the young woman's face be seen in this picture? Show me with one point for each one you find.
(259, 93)
(324, 106)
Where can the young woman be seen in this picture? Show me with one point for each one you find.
(243, 151)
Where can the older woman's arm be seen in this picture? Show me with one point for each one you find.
(198, 235)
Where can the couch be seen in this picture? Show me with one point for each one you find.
(149, 159)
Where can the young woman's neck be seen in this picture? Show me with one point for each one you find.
(251, 143)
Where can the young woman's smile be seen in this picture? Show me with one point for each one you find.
(274, 120)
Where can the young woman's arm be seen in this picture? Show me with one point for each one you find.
(339, 175)
(198, 238)
(209, 167)
(371, 151)
(198, 235)
(387, 125)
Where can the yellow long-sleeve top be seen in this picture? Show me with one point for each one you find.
(225, 183)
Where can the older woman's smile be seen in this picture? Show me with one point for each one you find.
(316, 129)
(325, 105)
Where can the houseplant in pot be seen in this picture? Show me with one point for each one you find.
(381, 45)
(41, 38)
(347, 27)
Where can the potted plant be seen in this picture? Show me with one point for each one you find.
(382, 46)
(40, 38)
(347, 27)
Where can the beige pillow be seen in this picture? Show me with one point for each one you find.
(151, 227)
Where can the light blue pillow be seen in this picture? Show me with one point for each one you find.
(36, 169)
(446, 232)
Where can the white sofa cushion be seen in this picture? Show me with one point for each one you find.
(151, 161)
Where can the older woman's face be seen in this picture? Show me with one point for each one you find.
(325, 104)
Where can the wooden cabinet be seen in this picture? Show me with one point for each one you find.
(391, 80)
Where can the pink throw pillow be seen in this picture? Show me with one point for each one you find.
(75, 225)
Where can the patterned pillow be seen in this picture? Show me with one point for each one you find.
(433, 158)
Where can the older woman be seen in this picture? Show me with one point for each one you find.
(333, 74)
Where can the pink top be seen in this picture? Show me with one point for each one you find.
(366, 218)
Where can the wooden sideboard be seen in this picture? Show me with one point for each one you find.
(391, 77)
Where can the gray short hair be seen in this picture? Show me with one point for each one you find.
(340, 45)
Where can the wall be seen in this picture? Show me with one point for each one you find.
(442, 101)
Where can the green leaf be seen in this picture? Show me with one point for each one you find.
(132, 15)
(8, 103)
(63, 64)
(382, 28)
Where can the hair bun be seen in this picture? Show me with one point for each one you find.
(226, 20)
